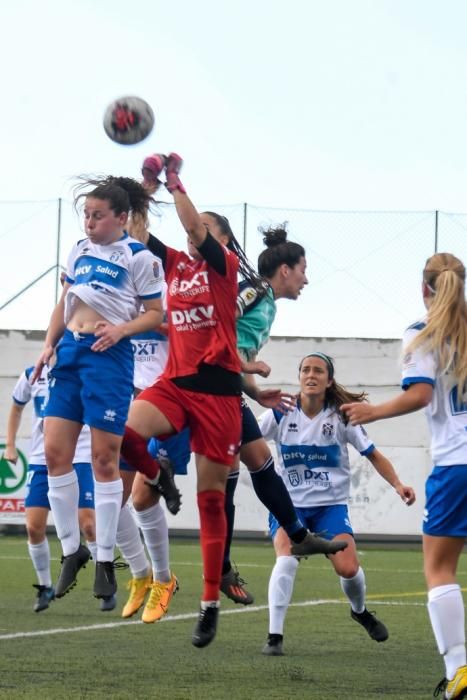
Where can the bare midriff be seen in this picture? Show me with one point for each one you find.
(84, 318)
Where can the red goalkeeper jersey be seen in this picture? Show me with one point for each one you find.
(201, 307)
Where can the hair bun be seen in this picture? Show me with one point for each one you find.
(274, 235)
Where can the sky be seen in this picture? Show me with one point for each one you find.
(323, 105)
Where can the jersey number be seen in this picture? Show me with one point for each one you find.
(458, 404)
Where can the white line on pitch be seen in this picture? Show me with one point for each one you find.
(188, 616)
(243, 565)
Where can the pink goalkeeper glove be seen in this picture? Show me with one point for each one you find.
(152, 167)
(172, 169)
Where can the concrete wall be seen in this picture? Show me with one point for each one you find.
(361, 364)
(18, 350)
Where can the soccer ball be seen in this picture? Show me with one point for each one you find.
(128, 120)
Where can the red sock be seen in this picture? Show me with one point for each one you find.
(213, 533)
(135, 452)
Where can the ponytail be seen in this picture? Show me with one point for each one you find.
(445, 332)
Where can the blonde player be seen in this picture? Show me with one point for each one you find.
(434, 377)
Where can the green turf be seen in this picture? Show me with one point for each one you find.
(327, 654)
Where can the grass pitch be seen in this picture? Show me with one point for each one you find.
(73, 650)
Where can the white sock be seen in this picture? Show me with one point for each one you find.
(63, 498)
(153, 524)
(40, 557)
(355, 589)
(108, 504)
(92, 546)
(280, 591)
(130, 544)
(446, 611)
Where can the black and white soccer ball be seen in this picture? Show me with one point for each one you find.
(128, 120)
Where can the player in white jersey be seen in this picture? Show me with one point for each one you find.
(109, 277)
(36, 503)
(434, 377)
(150, 352)
(311, 443)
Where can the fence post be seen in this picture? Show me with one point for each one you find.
(57, 258)
(245, 205)
(436, 231)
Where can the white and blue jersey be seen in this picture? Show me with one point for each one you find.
(24, 392)
(445, 513)
(447, 411)
(150, 353)
(112, 279)
(37, 484)
(313, 457)
(90, 387)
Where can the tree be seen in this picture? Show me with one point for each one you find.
(6, 472)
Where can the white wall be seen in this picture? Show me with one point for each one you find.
(370, 365)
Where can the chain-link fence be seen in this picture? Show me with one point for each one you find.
(364, 267)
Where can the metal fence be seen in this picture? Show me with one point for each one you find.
(364, 267)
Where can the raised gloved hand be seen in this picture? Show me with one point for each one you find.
(152, 167)
(172, 169)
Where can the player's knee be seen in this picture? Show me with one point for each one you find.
(36, 533)
(255, 455)
(88, 527)
(144, 497)
(347, 570)
(105, 464)
(57, 457)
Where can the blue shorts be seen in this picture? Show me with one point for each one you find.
(176, 448)
(125, 467)
(328, 521)
(446, 502)
(91, 387)
(37, 486)
(250, 428)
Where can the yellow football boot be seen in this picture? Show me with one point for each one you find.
(138, 588)
(159, 599)
(457, 688)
